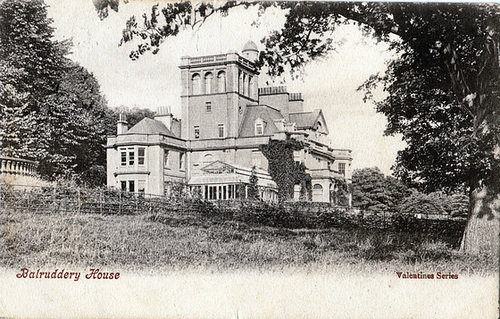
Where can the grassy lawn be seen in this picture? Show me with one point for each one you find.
(140, 242)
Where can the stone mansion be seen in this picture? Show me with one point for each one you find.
(225, 119)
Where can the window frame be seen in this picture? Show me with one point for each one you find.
(141, 190)
(141, 158)
(259, 125)
(123, 157)
(131, 156)
(181, 161)
(166, 160)
(196, 132)
(221, 130)
(128, 156)
(196, 89)
(221, 82)
(342, 169)
(208, 79)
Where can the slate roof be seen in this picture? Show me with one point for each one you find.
(266, 113)
(307, 120)
(150, 126)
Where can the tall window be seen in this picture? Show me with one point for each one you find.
(141, 155)
(131, 157)
(208, 83)
(196, 132)
(165, 158)
(342, 168)
(131, 186)
(240, 82)
(196, 84)
(221, 82)
(208, 107)
(123, 157)
(181, 160)
(245, 85)
(249, 91)
(221, 130)
(123, 186)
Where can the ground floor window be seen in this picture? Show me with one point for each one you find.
(230, 192)
(133, 186)
(317, 193)
(141, 186)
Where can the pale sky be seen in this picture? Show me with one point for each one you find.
(154, 80)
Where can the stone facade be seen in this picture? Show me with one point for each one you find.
(215, 149)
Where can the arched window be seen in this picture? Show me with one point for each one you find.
(208, 83)
(207, 158)
(221, 82)
(317, 193)
(196, 79)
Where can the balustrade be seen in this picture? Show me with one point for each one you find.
(17, 166)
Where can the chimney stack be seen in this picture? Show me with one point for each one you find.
(122, 125)
(165, 116)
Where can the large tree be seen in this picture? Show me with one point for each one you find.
(30, 65)
(51, 110)
(73, 127)
(443, 87)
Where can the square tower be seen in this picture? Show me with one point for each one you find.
(216, 90)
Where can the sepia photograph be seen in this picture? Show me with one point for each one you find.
(249, 159)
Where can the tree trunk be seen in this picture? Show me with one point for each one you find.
(482, 231)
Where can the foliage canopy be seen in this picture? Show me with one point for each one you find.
(51, 109)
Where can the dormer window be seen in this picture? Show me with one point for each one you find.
(259, 127)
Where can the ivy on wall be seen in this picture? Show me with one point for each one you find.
(253, 190)
(285, 171)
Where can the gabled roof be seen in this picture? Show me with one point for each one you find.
(218, 166)
(309, 120)
(266, 113)
(150, 126)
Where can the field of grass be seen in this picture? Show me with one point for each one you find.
(142, 242)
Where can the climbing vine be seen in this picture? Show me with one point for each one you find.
(284, 170)
(253, 189)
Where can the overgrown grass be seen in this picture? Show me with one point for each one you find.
(141, 242)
